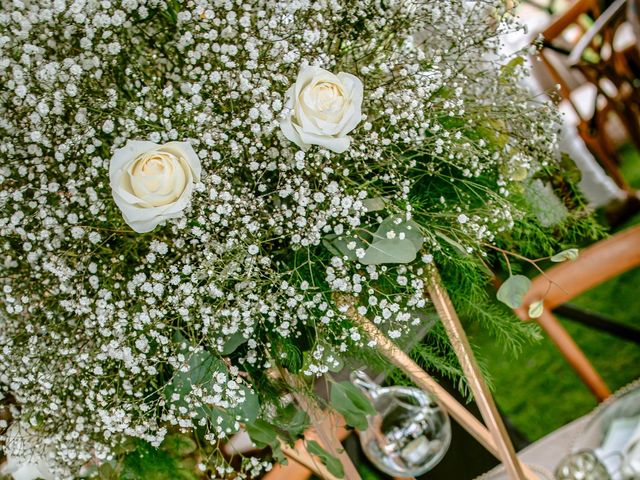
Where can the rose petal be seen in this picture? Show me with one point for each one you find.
(356, 95)
(184, 149)
(335, 129)
(291, 133)
(132, 149)
(305, 120)
(307, 74)
(336, 144)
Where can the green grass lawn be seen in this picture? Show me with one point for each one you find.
(538, 390)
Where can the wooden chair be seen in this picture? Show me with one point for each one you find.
(613, 69)
(596, 264)
(593, 123)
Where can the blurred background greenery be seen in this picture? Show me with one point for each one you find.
(538, 391)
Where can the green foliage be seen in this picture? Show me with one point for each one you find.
(348, 400)
(202, 367)
(339, 245)
(233, 342)
(569, 254)
(333, 464)
(396, 240)
(262, 433)
(513, 290)
(148, 463)
(536, 309)
(178, 445)
(292, 421)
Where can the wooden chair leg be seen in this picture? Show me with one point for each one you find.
(574, 355)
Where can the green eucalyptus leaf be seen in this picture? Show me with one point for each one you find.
(389, 251)
(233, 342)
(396, 240)
(569, 254)
(292, 420)
(513, 290)
(344, 245)
(278, 455)
(545, 203)
(395, 226)
(536, 309)
(333, 464)
(202, 367)
(178, 445)
(328, 244)
(262, 433)
(354, 406)
(250, 408)
(374, 204)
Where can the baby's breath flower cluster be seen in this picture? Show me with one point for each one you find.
(108, 333)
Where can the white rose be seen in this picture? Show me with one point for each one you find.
(151, 183)
(322, 108)
(25, 455)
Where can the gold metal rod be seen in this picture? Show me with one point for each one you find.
(482, 395)
(423, 380)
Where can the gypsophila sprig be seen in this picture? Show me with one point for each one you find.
(185, 186)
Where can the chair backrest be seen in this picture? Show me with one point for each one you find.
(597, 264)
(557, 46)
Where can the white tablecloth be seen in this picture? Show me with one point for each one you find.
(544, 455)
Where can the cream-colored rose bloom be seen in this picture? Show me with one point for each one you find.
(151, 182)
(322, 108)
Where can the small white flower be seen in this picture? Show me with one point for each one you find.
(462, 218)
(151, 183)
(25, 455)
(322, 108)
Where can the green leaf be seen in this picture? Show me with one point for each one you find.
(250, 408)
(400, 228)
(569, 254)
(178, 445)
(508, 69)
(203, 366)
(339, 245)
(545, 204)
(354, 406)
(149, 463)
(397, 240)
(262, 433)
(513, 290)
(373, 204)
(536, 309)
(278, 455)
(457, 245)
(333, 464)
(292, 420)
(233, 342)
(389, 251)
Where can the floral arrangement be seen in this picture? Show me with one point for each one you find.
(186, 186)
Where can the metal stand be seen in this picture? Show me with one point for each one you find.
(494, 436)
